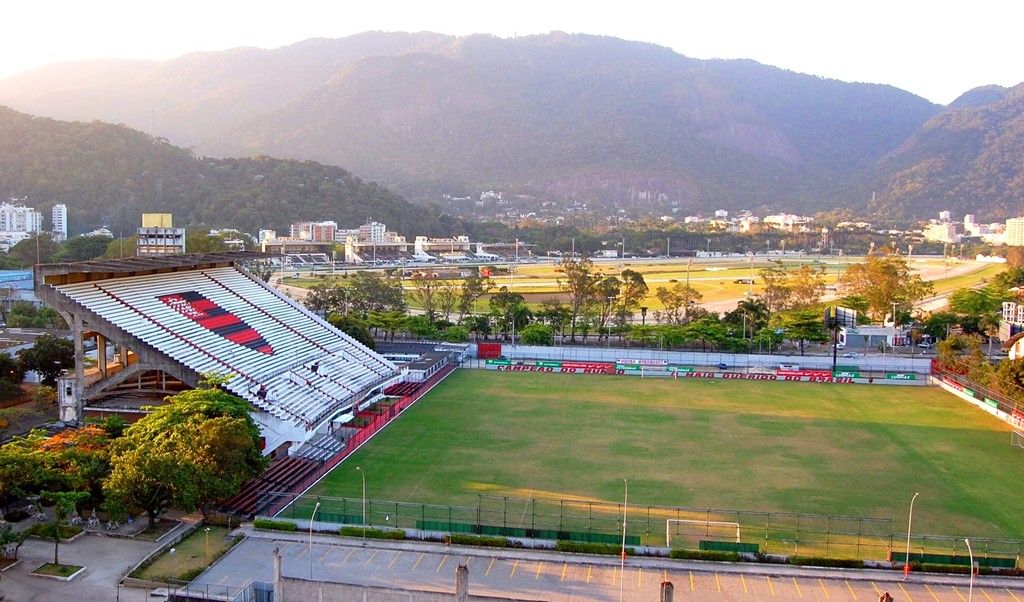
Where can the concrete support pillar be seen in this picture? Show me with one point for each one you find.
(666, 591)
(101, 354)
(462, 583)
(278, 585)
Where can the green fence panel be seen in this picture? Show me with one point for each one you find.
(957, 560)
(728, 546)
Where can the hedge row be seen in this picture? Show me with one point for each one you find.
(712, 555)
(274, 525)
(583, 547)
(45, 530)
(837, 563)
(462, 539)
(371, 533)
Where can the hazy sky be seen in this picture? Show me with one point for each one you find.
(937, 50)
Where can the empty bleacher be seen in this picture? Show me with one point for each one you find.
(402, 389)
(283, 475)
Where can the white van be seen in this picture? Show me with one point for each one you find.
(785, 366)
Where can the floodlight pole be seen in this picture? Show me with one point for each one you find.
(910, 521)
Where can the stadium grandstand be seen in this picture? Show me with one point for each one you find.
(161, 323)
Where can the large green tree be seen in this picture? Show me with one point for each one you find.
(198, 449)
(578, 281)
(48, 357)
(883, 279)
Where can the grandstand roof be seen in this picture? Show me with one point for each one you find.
(132, 265)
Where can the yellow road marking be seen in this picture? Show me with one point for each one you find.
(350, 553)
(540, 567)
(852, 593)
(904, 590)
(692, 588)
(514, 567)
(958, 593)
(664, 575)
(823, 588)
(744, 582)
(1012, 595)
(986, 594)
(418, 561)
(797, 586)
(489, 567)
(304, 551)
(326, 553)
(590, 569)
(878, 592)
(395, 559)
(565, 568)
(936, 598)
(718, 582)
(372, 556)
(770, 587)
(443, 560)
(640, 577)
(615, 572)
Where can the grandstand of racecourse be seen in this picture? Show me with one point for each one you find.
(165, 321)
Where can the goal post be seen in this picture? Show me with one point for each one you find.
(701, 529)
(1017, 438)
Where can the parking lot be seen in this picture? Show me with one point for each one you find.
(560, 577)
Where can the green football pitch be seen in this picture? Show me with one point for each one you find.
(826, 449)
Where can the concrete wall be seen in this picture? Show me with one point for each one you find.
(296, 590)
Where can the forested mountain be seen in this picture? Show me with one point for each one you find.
(110, 175)
(969, 159)
(595, 119)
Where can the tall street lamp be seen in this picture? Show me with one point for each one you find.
(622, 562)
(310, 551)
(363, 475)
(970, 592)
(910, 521)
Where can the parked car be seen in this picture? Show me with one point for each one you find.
(840, 345)
(852, 354)
(925, 345)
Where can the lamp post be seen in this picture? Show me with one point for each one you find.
(970, 552)
(207, 530)
(310, 550)
(910, 521)
(622, 561)
(363, 475)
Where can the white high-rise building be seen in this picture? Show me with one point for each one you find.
(945, 216)
(59, 217)
(1015, 232)
(18, 222)
(372, 232)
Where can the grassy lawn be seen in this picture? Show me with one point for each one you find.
(191, 556)
(849, 450)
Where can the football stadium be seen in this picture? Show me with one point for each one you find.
(656, 450)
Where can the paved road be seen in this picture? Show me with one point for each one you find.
(571, 578)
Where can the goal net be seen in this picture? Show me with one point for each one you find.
(1017, 438)
(689, 533)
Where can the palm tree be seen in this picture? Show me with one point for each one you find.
(756, 311)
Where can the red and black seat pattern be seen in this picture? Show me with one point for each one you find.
(216, 319)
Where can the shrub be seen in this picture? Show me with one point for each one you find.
(45, 530)
(838, 563)
(372, 533)
(582, 547)
(712, 555)
(16, 517)
(274, 525)
(476, 540)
